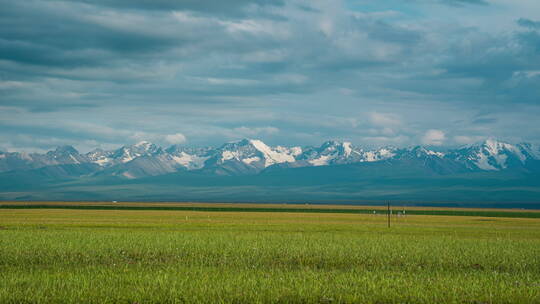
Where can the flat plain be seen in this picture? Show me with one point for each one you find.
(234, 256)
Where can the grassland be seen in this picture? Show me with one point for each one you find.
(176, 256)
(294, 208)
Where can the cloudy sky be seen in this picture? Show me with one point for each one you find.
(102, 73)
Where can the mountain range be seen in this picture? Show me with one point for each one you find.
(336, 170)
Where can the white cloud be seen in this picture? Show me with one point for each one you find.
(434, 137)
(346, 91)
(13, 85)
(245, 131)
(465, 140)
(230, 81)
(385, 123)
(384, 119)
(175, 139)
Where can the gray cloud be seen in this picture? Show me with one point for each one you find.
(481, 121)
(529, 23)
(464, 2)
(214, 7)
(295, 71)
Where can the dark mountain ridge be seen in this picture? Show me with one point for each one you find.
(491, 172)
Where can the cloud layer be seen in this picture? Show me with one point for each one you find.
(107, 72)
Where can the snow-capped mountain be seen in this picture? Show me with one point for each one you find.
(330, 152)
(143, 166)
(135, 161)
(493, 155)
(189, 158)
(336, 153)
(251, 156)
(65, 155)
(140, 149)
(417, 152)
(100, 157)
(123, 154)
(247, 157)
(10, 161)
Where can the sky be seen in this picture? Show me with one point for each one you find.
(105, 73)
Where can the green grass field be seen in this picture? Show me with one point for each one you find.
(178, 256)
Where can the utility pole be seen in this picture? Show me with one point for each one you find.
(388, 214)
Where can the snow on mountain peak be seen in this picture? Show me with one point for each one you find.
(228, 155)
(377, 155)
(295, 151)
(258, 144)
(347, 148)
(189, 161)
(100, 157)
(65, 155)
(250, 156)
(421, 151)
(128, 153)
(255, 153)
(492, 155)
(495, 147)
(270, 155)
(323, 160)
(189, 158)
(332, 151)
(435, 153)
